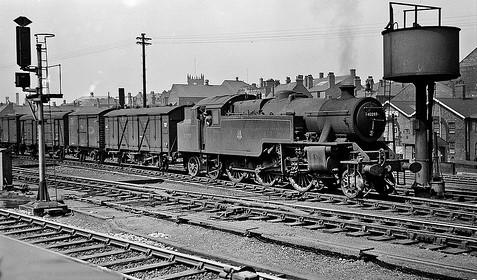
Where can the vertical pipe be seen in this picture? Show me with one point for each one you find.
(430, 123)
(421, 148)
(394, 134)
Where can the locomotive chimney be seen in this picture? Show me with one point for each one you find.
(331, 79)
(130, 100)
(17, 98)
(347, 91)
(322, 75)
(121, 97)
(206, 82)
(236, 79)
(369, 83)
(288, 80)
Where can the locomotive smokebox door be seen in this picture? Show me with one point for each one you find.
(5, 169)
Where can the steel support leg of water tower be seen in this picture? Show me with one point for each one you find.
(421, 136)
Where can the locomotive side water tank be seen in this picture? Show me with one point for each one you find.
(421, 53)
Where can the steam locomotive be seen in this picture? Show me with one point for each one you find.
(310, 142)
(292, 138)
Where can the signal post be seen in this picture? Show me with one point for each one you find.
(43, 204)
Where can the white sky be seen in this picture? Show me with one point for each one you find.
(96, 39)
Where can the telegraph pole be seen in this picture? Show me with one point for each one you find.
(143, 40)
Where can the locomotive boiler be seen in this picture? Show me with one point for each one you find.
(309, 142)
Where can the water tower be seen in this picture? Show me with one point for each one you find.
(421, 54)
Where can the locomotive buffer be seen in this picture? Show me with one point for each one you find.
(43, 204)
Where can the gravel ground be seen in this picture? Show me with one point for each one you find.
(249, 249)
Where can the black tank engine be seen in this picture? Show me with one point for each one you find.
(309, 142)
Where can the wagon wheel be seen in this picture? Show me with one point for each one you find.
(383, 185)
(266, 179)
(193, 166)
(352, 184)
(235, 176)
(215, 171)
(162, 163)
(302, 182)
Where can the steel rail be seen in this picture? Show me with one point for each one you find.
(454, 235)
(199, 263)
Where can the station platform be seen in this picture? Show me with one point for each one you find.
(19, 260)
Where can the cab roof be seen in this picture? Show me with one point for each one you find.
(221, 101)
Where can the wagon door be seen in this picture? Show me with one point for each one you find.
(144, 133)
(83, 131)
(48, 130)
(73, 130)
(123, 132)
(93, 132)
(157, 124)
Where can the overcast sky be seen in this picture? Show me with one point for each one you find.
(95, 40)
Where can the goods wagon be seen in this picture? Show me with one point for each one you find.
(145, 135)
(86, 133)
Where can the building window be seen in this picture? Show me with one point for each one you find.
(451, 127)
(451, 147)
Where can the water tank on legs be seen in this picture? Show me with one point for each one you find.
(5, 168)
(413, 53)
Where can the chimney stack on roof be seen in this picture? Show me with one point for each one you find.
(322, 75)
(17, 98)
(288, 80)
(299, 80)
(309, 81)
(261, 83)
(352, 72)
(331, 79)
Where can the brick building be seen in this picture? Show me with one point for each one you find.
(198, 88)
(454, 121)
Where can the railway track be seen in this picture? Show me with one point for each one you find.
(133, 260)
(450, 236)
(453, 193)
(413, 206)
